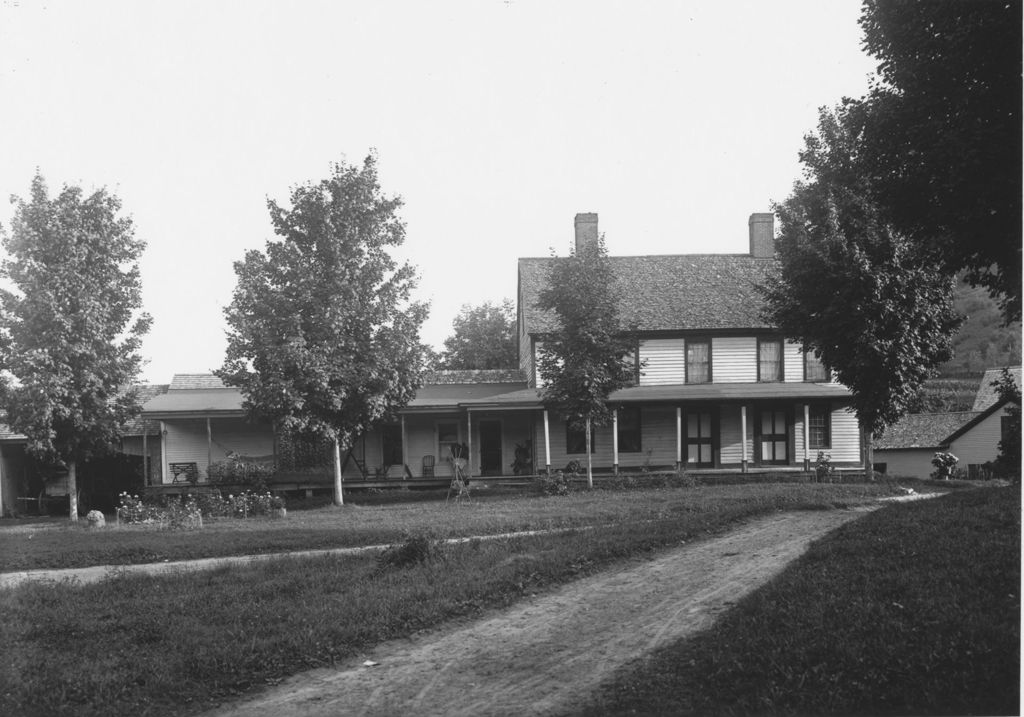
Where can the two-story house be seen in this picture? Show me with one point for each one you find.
(716, 388)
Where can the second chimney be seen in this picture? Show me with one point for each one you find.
(586, 233)
(762, 235)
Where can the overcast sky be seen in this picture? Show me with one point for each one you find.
(496, 121)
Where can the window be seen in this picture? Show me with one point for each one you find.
(698, 360)
(818, 427)
(629, 430)
(769, 359)
(576, 439)
(391, 445)
(447, 437)
(698, 439)
(814, 369)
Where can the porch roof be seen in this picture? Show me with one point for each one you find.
(453, 395)
(180, 403)
(676, 393)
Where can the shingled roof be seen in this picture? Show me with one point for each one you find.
(987, 394)
(667, 293)
(924, 430)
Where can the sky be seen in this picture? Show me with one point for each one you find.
(496, 121)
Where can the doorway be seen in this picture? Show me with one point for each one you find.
(490, 448)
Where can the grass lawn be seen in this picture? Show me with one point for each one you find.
(174, 645)
(914, 609)
(61, 544)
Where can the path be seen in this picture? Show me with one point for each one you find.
(549, 653)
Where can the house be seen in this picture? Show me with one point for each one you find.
(24, 481)
(716, 388)
(908, 446)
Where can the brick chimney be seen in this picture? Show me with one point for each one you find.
(586, 232)
(762, 235)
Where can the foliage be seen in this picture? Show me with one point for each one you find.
(942, 139)
(555, 483)
(945, 466)
(944, 395)
(236, 470)
(188, 512)
(1007, 463)
(323, 338)
(983, 340)
(70, 324)
(523, 463)
(589, 355)
(414, 549)
(850, 287)
(823, 468)
(484, 338)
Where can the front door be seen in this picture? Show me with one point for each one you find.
(773, 441)
(490, 448)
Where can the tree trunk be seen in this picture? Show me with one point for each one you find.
(590, 459)
(339, 497)
(869, 456)
(72, 490)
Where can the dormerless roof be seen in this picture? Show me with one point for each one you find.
(668, 293)
(987, 394)
(923, 430)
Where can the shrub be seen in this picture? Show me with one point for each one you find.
(823, 468)
(413, 550)
(173, 512)
(236, 470)
(945, 466)
(552, 483)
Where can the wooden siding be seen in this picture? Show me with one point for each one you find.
(793, 362)
(730, 432)
(845, 436)
(734, 359)
(665, 362)
(908, 463)
(981, 443)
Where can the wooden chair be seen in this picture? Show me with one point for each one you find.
(428, 466)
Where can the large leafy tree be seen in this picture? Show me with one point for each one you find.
(850, 287)
(590, 354)
(71, 324)
(942, 140)
(484, 337)
(323, 337)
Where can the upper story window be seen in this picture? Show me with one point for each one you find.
(629, 430)
(814, 370)
(698, 360)
(769, 359)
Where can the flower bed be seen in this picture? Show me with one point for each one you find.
(190, 511)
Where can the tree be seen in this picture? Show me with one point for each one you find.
(942, 141)
(850, 287)
(587, 357)
(1008, 461)
(71, 325)
(323, 338)
(484, 338)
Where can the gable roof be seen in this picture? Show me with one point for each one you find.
(987, 394)
(924, 430)
(186, 381)
(667, 293)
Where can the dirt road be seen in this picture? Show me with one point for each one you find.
(549, 653)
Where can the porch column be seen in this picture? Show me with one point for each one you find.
(807, 437)
(405, 457)
(679, 436)
(163, 453)
(209, 447)
(145, 458)
(547, 443)
(743, 433)
(615, 441)
(469, 444)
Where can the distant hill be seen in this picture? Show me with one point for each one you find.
(983, 342)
